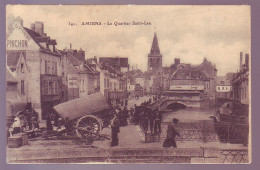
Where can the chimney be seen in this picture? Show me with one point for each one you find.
(241, 61)
(95, 59)
(39, 28)
(177, 61)
(70, 46)
(20, 20)
(247, 61)
(33, 26)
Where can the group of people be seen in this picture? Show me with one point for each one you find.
(152, 121)
(27, 119)
(149, 119)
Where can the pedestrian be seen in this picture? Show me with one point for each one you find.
(151, 117)
(145, 121)
(48, 123)
(124, 116)
(16, 126)
(126, 102)
(157, 121)
(115, 129)
(171, 134)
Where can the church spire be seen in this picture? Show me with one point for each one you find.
(155, 46)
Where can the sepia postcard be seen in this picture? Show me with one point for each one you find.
(134, 84)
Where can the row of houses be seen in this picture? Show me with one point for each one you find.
(197, 85)
(46, 76)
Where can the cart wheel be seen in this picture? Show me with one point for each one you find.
(23, 121)
(88, 126)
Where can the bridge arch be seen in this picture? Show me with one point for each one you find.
(176, 105)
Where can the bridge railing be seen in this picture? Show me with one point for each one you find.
(234, 156)
(207, 131)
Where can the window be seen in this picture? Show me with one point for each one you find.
(83, 87)
(46, 67)
(54, 68)
(49, 87)
(22, 68)
(55, 88)
(218, 88)
(110, 85)
(223, 88)
(46, 84)
(245, 92)
(105, 82)
(114, 86)
(22, 87)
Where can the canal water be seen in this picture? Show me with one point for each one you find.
(189, 115)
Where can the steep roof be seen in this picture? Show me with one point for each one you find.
(9, 76)
(155, 46)
(79, 65)
(188, 73)
(114, 61)
(222, 80)
(74, 61)
(38, 39)
(12, 57)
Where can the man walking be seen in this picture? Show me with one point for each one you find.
(157, 121)
(171, 134)
(115, 129)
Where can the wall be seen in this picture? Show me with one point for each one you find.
(22, 76)
(186, 82)
(140, 81)
(223, 88)
(244, 93)
(83, 84)
(33, 59)
(73, 86)
(11, 91)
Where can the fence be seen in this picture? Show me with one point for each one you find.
(234, 156)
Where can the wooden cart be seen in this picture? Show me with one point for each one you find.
(87, 115)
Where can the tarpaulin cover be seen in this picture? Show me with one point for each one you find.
(79, 107)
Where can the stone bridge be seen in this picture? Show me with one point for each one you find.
(167, 102)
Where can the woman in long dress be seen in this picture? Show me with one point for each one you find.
(171, 134)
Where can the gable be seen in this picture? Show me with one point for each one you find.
(17, 38)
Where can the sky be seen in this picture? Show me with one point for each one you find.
(190, 33)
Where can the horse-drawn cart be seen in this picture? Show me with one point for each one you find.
(87, 115)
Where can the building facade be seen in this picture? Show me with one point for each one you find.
(43, 62)
(190, 85)
(17, 66)
(223, 87)
(240, 82)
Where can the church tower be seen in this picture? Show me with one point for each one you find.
(155, 57)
